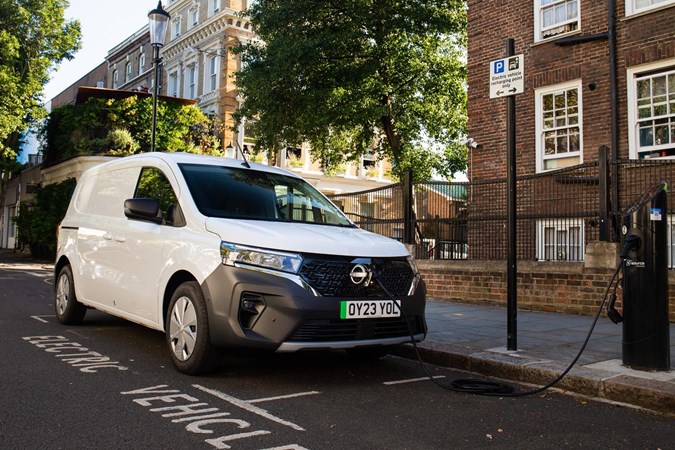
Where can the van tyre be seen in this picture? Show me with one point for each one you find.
(68, 310)
(187, 331)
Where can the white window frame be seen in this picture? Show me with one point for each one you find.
(175, 28)
(141, 63)
(247, 138)
(214, 7)
(191, 77)
(174, 84)
(671, 240)
(11, 225)
(211, 73)
(541, 6)
(561, 251)
(371, 158)
(540, 130)
(639, 6)
(193, 17)
(128, 72)
(633, 75)
(115, 79)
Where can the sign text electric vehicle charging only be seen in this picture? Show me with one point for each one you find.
(507, 76)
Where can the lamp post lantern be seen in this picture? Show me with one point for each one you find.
(159, 23)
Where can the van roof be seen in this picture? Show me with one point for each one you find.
(175, 158)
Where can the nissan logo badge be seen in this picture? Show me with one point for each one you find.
(360, 274)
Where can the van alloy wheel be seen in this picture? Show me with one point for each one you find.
(183, 328)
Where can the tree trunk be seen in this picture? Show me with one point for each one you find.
(393, 137)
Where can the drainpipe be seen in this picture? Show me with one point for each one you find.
(613, 93)
(610, 36)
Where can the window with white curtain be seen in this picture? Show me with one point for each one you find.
(555, 17)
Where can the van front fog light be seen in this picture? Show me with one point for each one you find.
(240, 256)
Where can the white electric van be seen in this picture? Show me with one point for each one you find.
(218, 253)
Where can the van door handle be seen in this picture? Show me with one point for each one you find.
(108, 236)
(119, 238)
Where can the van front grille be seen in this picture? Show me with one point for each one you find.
(330, 277)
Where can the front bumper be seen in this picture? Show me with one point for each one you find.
(287, 317)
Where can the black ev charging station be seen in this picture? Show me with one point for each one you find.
(646, 333)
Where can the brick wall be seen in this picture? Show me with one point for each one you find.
(542, 286)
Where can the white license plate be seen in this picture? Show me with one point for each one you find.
(370, 309)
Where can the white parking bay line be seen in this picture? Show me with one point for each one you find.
(243, 404)
(40, 318)
(282, 397)
(410, 380)
(288, 447)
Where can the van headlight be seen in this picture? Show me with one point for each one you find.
(239, 255)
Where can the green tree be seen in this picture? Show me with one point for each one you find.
(121, 127)
(34, 39)
(352, 76)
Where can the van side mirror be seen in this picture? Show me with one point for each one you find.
(143, 209)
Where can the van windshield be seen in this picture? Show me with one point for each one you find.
(233, 193)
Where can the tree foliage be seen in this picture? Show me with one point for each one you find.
(354, 76)
(34, 38)
(122, 127)
(37, 220)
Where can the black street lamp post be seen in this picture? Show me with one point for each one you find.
(159, 23)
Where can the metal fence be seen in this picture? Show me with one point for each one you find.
(558, 212)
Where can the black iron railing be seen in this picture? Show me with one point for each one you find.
(558, 212)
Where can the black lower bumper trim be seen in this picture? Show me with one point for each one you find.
(319, 330)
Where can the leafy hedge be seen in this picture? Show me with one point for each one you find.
(37, 220)
(122, 127)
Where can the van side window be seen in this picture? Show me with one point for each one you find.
(152, 183)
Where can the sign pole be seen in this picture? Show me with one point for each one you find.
(511, 282)
(507, 79)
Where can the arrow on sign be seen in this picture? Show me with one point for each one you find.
(513, 90)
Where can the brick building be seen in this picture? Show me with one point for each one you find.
(598, 104)
(572, 49)
(564, 115)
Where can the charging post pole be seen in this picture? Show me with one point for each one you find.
(507, 79)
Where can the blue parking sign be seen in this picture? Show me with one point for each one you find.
(499, 66)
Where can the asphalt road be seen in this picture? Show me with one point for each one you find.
(110, 384)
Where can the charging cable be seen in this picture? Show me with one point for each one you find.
(488, 388)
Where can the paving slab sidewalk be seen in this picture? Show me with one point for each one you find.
(473, 338)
